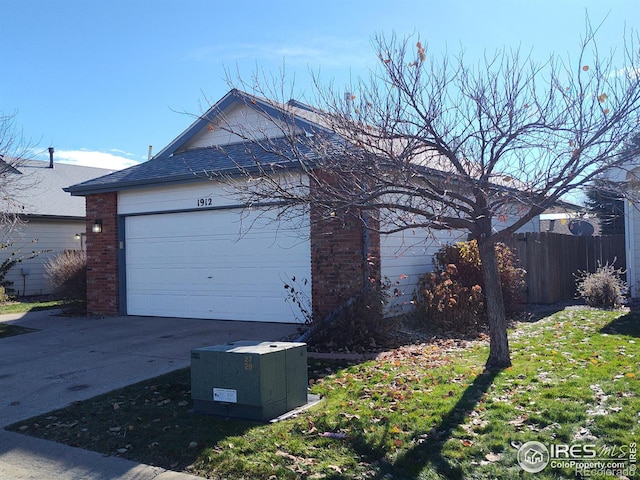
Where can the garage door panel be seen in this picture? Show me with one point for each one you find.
(201, 265)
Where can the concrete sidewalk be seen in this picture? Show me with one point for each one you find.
(74, 358)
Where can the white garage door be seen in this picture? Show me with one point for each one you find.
(214, 264)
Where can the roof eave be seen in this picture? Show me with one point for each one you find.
(35, 216)
(174, 180)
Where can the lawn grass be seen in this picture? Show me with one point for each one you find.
(8, 330)
(21, 306)
(427, 411)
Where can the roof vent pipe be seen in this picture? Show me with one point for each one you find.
(51, 150)
(348, 98)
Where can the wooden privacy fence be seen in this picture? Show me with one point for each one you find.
(552, 260)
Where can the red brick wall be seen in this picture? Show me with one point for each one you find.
(338, 266)
(102, 255)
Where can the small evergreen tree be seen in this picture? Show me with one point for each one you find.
(605, 201)
(605, 198)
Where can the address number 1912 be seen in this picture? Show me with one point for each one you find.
(205, 202)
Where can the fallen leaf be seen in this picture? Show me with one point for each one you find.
(286, 455)
(350, 416)
(493, 457)
(337, 435)
(517, 422)
(467, 443)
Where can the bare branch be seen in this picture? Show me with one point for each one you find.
(14, 151)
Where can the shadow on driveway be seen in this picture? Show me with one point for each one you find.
(74, 358)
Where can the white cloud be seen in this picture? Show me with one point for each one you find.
(630, 72)
(90, 158)
(324, 51)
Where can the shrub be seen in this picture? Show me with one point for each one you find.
(67, 275)
(466, 257)
(604, 288)
(443, 300)
(299, 299)
(451, 296)
(359, 325)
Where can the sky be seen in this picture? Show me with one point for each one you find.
(101, 81)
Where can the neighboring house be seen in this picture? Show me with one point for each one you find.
(565, 223)
(51, 220)
(569, 219)
(174, 242)
(629, 176)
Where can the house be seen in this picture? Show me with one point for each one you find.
(51, 220)
(169, 238)
(632, 232)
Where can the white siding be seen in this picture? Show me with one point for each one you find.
(175, 198)
(200, 196)
(632, 244)
(407, 255)
(241, 119)
(47, 236)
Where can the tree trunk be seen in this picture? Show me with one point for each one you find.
(499, 355)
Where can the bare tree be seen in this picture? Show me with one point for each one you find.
(14, 150)
(441, 144)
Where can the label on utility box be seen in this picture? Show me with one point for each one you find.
(226, 395)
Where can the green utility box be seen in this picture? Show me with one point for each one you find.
(248, 379)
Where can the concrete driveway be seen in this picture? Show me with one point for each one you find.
(74, 358)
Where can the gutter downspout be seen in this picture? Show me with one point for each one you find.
(366, 243)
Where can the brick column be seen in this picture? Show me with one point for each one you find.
(341, 265)
(102, 255)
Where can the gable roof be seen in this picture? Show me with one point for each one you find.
(190, 165)
(294, 114)
(7, 167)
(40, 189)
(178, 163)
